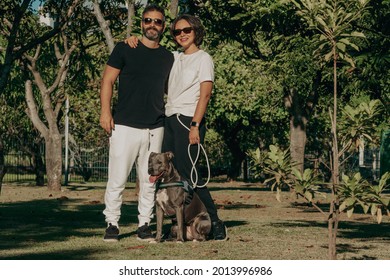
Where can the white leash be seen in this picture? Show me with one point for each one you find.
(193, 162)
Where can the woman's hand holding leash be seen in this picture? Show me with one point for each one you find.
(194, 137)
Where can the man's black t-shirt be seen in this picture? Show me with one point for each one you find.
(142, 80)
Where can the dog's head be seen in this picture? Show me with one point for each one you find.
(160, 165)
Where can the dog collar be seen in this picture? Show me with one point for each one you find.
(183, 184)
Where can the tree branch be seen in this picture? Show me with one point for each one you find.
(9, 55)
(173, 9)
(103, 25)
(32, 111)
(130, 15)
(314, 205)
(63, 67)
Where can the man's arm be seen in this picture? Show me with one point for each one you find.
(106, 88)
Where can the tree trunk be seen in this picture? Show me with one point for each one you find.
(130, 16)
(54, 161)
(333, 225)
(103, 26)
(238, 157)
(245, 170)
(298, 142)
(2, 164)
(34, 151)
(174, 8)
(298, 123)
(39, 166)
(334, 209)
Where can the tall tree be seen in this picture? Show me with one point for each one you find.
(52, 99)
(21, 32)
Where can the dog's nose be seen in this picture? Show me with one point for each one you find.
(151, 171)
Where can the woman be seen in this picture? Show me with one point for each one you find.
(189, 91)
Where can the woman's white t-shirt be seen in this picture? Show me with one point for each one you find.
(187, 73)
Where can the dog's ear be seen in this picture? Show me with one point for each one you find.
(152, 154)
(169, 155)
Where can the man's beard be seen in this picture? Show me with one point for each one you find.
(152, 36)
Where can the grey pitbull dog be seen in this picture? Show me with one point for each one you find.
(174, 197)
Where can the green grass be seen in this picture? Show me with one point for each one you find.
(37, 224)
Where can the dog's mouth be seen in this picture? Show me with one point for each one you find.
(154, 178)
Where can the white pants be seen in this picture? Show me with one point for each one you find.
(127, 146)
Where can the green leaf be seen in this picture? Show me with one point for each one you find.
(345, 178)
(379, 216)
(357, 176)
(309, 196)
(374, 209)
(350, 212)
(341, 46)
(385, 201)
(343, 206)
(322, 22)
(296, 173)
(365, 208)
(328, 56)
(307, 174)
(349, 60)
(358, 34)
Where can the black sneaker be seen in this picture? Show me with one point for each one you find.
(112, 233)
(219, 231)
(144, 233)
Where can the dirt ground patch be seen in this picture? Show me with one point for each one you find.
(38, 224)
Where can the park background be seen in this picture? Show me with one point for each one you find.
(295, 82)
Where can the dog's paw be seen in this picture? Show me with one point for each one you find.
(154, 241)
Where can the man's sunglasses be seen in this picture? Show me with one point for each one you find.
(157, 21)
(186, 30)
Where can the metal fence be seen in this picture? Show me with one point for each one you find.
(85, 165)
(366, 161)
(88, 164)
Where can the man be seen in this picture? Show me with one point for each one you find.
(136, 129)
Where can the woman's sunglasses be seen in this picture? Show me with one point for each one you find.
(186, 30)
(157, 21)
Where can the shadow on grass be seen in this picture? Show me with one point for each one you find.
(24, 225)
(27, 223)
(348, 230)
(241, 187)
(307, 207)
(83, 254)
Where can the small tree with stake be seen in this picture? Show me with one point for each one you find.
(332, 19)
